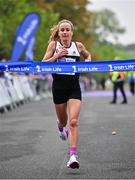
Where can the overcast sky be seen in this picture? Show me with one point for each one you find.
(125, 13)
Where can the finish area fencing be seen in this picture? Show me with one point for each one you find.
(15, 90)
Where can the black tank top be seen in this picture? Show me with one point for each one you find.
(67, 80)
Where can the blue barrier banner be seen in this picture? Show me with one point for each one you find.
(67, 67)
(25, 31)
(22, 67)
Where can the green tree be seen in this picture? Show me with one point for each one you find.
(81, 17)
(12, 13)
(106, 26)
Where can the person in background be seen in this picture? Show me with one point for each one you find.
(118, 80)
(131, 80)
(102, 83)
(65, 87)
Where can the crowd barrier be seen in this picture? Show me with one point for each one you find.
(15, 90)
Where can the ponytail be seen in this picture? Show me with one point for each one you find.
(54, 33)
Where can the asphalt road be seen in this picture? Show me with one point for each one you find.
(31, 149)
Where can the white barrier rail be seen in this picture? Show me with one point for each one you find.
(17, 89)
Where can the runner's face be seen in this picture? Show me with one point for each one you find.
(65, 31)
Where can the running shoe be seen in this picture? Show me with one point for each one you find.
(73, 163)
(63, 134)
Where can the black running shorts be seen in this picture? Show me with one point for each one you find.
(63, 95)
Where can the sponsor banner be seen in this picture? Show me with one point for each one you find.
(29, 56)
(24, 33)
(70, 67)
(15, 67)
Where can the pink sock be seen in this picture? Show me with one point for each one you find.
(73, 150)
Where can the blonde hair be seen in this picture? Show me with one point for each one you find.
(55, 29)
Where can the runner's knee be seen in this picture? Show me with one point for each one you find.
(73, 123)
